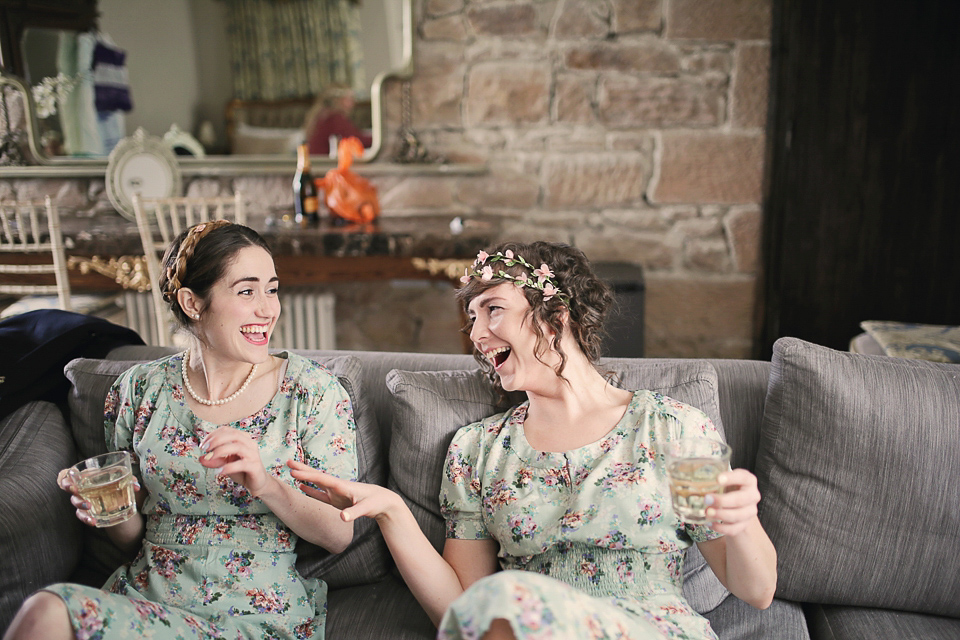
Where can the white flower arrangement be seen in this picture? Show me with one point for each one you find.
(53, 91)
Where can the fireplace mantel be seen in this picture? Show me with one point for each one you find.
(106, 253)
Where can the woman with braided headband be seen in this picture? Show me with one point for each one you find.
(559, 522)
(210, 431)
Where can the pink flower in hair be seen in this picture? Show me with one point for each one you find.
(543, 272)
(509, 254)
(465, 278)
(549, 291)
(481, 257)
(487, 273)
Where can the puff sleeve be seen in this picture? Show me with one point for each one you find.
(326, 429)
(460, 498)
(127, 411)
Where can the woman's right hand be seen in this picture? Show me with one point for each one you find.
(354, 499)
(65, 482)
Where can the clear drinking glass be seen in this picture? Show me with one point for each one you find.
(693, 465)
(106, 482)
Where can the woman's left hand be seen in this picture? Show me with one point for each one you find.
(731, 511)
(237, 456)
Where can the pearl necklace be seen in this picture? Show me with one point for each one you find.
(213, 403)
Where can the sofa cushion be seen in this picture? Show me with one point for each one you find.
(37, 521)
(856, 464)
(429, 406)
(832, 622)
(365, 561)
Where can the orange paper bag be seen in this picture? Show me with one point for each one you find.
(348, 195)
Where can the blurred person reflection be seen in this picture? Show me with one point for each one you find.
(330, 118)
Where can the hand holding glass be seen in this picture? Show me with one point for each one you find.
(693, 466)
(106, 482)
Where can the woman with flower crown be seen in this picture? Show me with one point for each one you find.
(559, 523)
(210, 431)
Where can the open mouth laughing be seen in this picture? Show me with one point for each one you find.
(498, 356)
(255, 333)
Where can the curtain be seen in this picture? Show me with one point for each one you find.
(293, 48)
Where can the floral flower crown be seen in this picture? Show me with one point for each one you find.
(544, 281)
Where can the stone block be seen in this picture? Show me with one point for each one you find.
(660, 102)
(518, 19)
(751, 85)
(574, 98)
(451, 28)
(436, 100)
(649, 56)
(615, 244)
(499, 49)
(582, 19)
(442, 7)
(418, 193)
(709, 167)
(507, 93)
(501, 190)
(632, 16)
(716, 59)
(707, 254)
(546, 226)
(639, 219)
(643, 141)
(433, 58)
(580, 140)
(719, 19)
(698, 227)
(699, 316)
(595, 180)
(743, 226)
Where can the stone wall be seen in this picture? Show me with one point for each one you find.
(633, 129)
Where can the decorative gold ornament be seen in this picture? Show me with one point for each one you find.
(130, 272)
(451, 268)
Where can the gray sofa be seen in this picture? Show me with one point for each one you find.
(854, 455)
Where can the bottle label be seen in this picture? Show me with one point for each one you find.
(310, 204)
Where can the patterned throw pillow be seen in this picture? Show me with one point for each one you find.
(932, 342)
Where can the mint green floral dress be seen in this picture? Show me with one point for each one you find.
(215, 562)
(590, 546)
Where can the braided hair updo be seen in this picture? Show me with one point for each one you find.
(589, 298)
(199, 257)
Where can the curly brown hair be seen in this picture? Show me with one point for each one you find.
(589, 299)
(198, 257)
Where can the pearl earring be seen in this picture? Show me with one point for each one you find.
(196, 316)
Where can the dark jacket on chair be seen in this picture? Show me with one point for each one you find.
(36, 346)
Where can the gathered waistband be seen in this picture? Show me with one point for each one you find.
(602, 571)
(258, 532)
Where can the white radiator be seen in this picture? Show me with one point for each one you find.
(307, 320)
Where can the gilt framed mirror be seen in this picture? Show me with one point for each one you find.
(247, 99)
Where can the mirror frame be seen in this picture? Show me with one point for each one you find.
(64, 166)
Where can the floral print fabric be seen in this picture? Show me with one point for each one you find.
(215, 562)
(597, 521)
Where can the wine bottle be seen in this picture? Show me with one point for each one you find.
(306, 203)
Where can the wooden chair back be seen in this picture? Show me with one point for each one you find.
(33, 229)
(160, 220)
